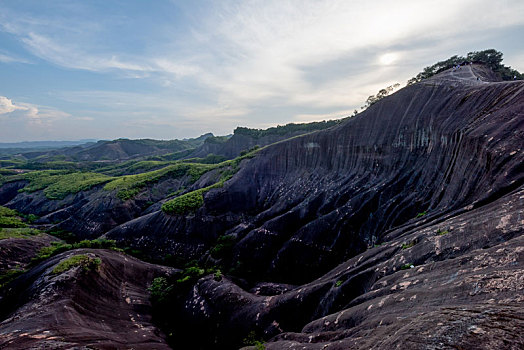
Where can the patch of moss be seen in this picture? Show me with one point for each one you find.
(87, 263)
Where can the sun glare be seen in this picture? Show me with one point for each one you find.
(388, 58)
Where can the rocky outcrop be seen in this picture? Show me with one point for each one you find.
(432, 175)
(304, 205)
(106, 307)
(399, 228)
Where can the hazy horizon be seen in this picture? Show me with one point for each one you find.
(73, 70)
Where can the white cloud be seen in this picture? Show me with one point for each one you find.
(7, 106)
(240, 61)
(30, 113)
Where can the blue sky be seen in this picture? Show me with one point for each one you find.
(173, 69)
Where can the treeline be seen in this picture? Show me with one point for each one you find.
(285, 129)
(492, 58)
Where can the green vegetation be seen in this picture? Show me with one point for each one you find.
(69, 237)
(59, 247)
(160, 289)
(282, 130)
(419, 215)
(407, 266)
(87, 263)
(379, 96)
(9, 219)
(251, 340)
(193, 200)
(9, 275)
(20, 232)
(408, 245)
(223, 247)
(492, 58)
(59, 183)
(129, 186)
(442, 233)
(73, 183)
(11, 222)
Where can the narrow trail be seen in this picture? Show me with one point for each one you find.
(463, 75)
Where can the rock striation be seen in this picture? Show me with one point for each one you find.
(401, 227)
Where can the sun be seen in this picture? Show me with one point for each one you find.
(388, 58)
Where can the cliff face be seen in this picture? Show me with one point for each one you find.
(304, 205)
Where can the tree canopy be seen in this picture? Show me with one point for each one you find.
(491, 57)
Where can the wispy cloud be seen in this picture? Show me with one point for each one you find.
(220, 64)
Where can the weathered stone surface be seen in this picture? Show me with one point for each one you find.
(106, 308)
(399, 228)
(303, 206)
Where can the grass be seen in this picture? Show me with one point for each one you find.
(442, 233)
(193, 200)
(408, 245)
(10, 275)
(74, 183)
(188, 202)
(57, 184)
(128, 186)
(23, 232)
(419, 215)
(7, 212)
(9, 218)
(87, 263)
(59, 247)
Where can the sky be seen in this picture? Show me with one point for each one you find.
(105, 69)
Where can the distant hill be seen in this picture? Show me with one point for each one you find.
(244, 138)
(44, 144)
(117, 150)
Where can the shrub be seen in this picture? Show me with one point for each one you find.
(223, 247)
(251, 340)
(160, 289)
(7, 212)
(87, 263)
(408, 245)
(407, 266)
(11, 222)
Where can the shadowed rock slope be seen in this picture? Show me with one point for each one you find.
(105, 307)
(398, 228)
(433, 173)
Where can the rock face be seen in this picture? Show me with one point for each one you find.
(399, 228)
(104, 308)
(307, 204)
